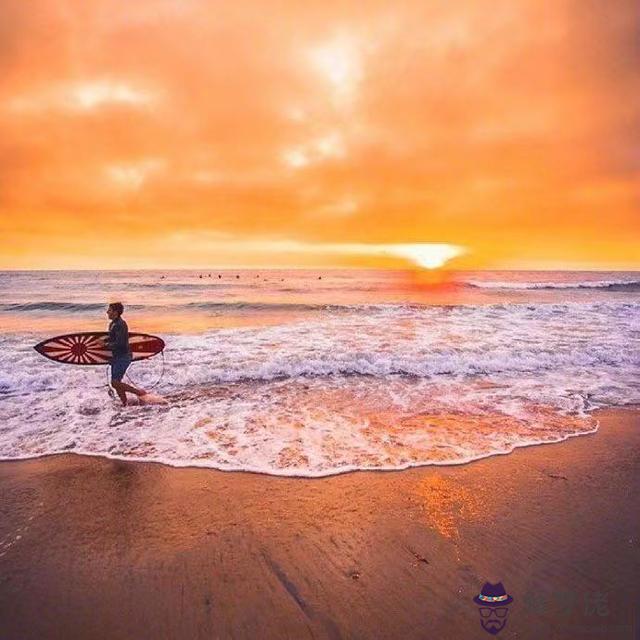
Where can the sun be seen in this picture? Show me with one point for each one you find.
(426, 255)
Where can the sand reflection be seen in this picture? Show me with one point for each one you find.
(446, 503)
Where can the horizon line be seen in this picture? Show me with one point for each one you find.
(272, 268)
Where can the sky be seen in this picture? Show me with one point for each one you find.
(182, 133)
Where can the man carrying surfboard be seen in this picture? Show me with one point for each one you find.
(118, 343)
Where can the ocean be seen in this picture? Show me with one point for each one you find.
(316, 372)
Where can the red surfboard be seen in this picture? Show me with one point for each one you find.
(86, 348)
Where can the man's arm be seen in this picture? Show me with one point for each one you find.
(107, 342)
(118, 337)
(121, 337)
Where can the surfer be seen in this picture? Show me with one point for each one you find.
(118, 343)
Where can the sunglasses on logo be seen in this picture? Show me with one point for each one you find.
(500, 612)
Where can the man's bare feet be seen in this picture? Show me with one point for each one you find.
(153, 398)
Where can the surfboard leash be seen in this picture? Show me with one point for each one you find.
(133, 382)
(157, 382)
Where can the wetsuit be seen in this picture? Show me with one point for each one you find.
(118, 342)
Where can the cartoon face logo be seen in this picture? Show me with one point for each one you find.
(493, 604)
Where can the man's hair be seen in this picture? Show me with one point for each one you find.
(117, 307)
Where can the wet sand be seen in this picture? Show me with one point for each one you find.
(95, 548)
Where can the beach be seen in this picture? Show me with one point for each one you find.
(98, 548)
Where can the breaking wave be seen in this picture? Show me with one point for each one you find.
(612, 285)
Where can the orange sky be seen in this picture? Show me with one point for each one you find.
(188, 133)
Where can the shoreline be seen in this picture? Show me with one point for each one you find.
(92, 547)
(192, 465)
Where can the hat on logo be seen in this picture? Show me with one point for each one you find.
(493, 595)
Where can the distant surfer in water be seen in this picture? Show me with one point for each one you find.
(118, 343)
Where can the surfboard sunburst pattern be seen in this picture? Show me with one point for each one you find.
(87, 349)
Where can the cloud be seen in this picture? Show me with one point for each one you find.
(490, 124)
(338, 61)
(133, 175)
(341, 207)
(329, 146)
(426, 255)
(85, 96)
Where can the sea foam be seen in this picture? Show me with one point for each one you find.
(374, 388)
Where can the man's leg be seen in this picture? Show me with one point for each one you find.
(130, 389)
(118, 369)
(118, 386)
